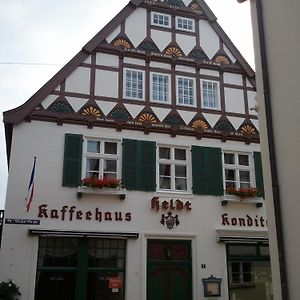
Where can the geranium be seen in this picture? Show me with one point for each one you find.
(9, 290)
(242, 192)
(103, 182)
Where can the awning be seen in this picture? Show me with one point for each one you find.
(241, 236)
(71, 233)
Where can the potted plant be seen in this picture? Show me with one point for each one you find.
(9, 290)
(103, 182)
(250, 192)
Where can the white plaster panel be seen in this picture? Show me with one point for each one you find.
(155, 64)
(233, 78)
(105, 106)
(134, 61)
(249, 84)
(186, 2)
(134, 110)
(185, 69)
(256, 124)
(57, 88)
(107, 60)
(209, 40)
(211, 119)
(187, 116)
(76, 103)
(252, 103)
(87, 60)
(236, 122)
(161, 113)
(136, 27)
(79, 81)
(48, 101)
(234, 100)
(113, 34)
(233, 59)
(107, 83)
(186, 42)
(161, 38)
(209, 72)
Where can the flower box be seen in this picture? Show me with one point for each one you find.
(242, 195)
(102, 186)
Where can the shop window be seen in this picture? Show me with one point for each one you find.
(173, 168)
(210, 94)
(80, 268)
(249, 272)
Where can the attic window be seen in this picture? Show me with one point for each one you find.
(185, 24)
(161, 20)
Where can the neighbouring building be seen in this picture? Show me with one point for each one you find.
(161, 99)
(278, 101)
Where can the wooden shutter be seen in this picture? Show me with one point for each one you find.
(258, 174)
(207, 171)
(72, 160)
(139, 165)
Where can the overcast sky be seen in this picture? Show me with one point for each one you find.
(38, 37)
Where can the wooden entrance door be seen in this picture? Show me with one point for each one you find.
(169, 271)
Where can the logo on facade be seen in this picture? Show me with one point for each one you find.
(169, 220)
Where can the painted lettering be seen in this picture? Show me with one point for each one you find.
(247, 221)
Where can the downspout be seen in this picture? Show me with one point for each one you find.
(272, 153)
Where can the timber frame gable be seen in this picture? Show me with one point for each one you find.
(101, 111)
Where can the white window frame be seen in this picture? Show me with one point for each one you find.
(163, 16)
(185, 96)
(125, 85)
(237, 168)
(168, 88)
(187, 24)
(101, 156)
(173, 162)
(217, 105)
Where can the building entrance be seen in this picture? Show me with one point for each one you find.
(80, 269)
(169, 270)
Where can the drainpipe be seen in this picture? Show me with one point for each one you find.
(272, 153)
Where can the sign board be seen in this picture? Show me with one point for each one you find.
(115, 282)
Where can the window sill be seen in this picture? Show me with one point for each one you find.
(121, 192)
(249, 200)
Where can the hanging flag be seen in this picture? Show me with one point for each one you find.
(30, 191)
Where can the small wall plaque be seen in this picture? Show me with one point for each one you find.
(212, 286)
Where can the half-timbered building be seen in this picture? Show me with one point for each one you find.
(146, 168)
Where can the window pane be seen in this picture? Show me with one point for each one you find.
(164, 182)
(92, 164)
(229, 158)
(180, 154)
(180, 171)
(230, 175)
(240, 250)
(110, 165)
(243, 160)
(164, 153)
(165, 170)
(181, 184)
(93, 146)
(245, 176)
(110, 148)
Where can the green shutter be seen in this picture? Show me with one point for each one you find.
(72, 160)
(130, 164)
(207, 171)
(258, 174)
(147, 166)
(139, 163)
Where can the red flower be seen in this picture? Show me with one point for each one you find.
(101, 182)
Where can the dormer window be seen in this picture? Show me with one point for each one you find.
(185, 24)
(161, 20)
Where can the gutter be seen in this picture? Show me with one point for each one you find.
(272, 152)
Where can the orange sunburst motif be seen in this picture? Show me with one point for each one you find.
(199, 124)
(247, 129)
(221, 59)
(146, 117)
(173, 51)
(91, 111)
(122, 43)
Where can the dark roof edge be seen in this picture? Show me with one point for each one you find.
(16, 115)
(207, 11)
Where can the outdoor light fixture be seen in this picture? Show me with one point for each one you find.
(212, 286)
